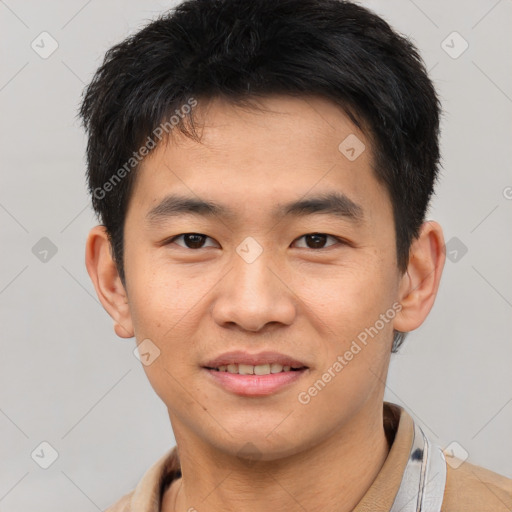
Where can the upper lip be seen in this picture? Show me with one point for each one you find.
(241, 357)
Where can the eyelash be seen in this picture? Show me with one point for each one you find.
(339, 240)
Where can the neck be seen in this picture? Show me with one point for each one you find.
(331, 476)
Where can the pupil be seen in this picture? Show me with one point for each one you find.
(194, 241)
(317, 239)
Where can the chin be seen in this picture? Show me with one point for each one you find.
(253, 446)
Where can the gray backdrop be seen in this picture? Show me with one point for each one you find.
(67, 380)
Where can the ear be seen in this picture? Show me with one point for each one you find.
(105, 277)
(419, 284)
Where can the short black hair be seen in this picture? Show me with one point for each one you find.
(244, 50)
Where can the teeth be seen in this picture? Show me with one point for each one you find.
(276, 368)
(262, 369)
(249, 369)
(245, 369)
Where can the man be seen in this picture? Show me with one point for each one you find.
(262, 172)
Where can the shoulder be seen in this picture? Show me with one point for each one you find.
(147, 494)
(473, 488)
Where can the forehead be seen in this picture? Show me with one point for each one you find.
(262, 159)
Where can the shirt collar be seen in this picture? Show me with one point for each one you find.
(400, 480)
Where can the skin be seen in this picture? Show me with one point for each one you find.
(306, 302)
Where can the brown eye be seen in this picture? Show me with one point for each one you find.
(317, 240)
(191, 240)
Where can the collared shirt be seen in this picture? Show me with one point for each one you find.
(416, 475)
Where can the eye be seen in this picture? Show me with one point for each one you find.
(190, 240)
(197, 241)
(318, 240)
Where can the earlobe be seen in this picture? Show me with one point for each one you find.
(105, 277)
(420, 283)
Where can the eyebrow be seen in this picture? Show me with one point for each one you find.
(332, 203)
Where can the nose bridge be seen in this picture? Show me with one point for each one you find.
(251, 294)
(251, 268)
(253, 277)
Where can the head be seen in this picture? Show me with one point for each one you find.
(294, 144)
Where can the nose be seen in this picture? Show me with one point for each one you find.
(254, 295)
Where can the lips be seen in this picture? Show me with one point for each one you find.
(246, 359)
(254, 375)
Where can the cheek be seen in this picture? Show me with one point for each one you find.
(346, 295)
(357, 343)
(159, 297)
(349, 304)
(160, 310)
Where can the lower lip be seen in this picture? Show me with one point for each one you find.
(255, 385)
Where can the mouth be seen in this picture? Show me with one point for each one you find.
(260, 374)
(260, 369)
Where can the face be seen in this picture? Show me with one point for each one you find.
(293, 259)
